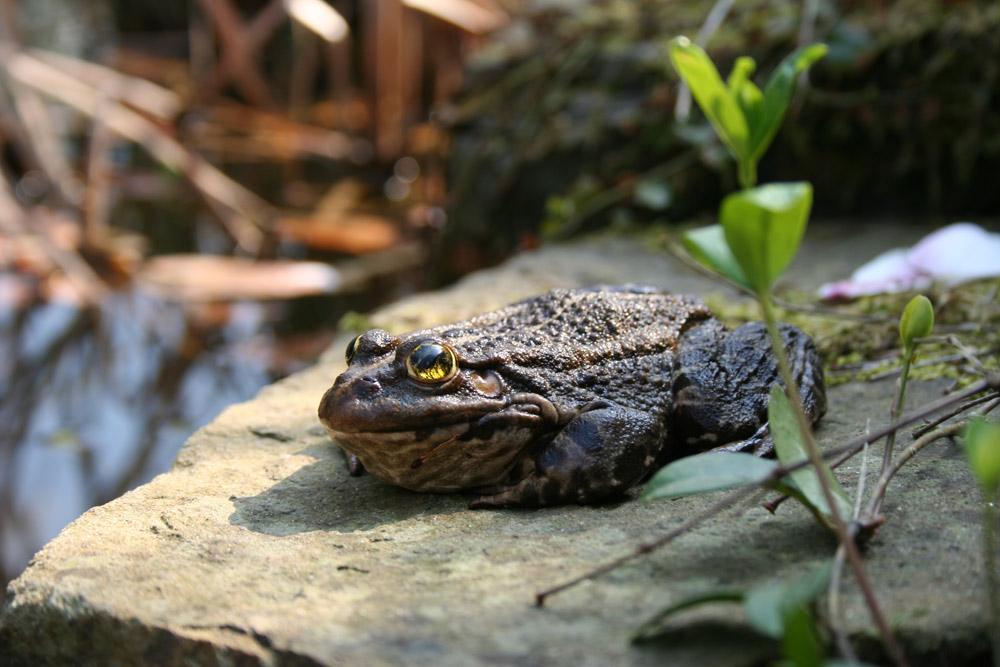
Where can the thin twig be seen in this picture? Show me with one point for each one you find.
(146, 96)
(857, 368)
(846, 451)
(829, 311)
(39, 128)
(833, 602)
(240, 42)
(682, 109)
(970, 355)
(96, 198)
(833, 598)
(930, 362)
(722, 505)
(957, 411)
(841, 453)
(870, 516)
(807, 28)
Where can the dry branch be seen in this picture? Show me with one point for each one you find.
(253, 212)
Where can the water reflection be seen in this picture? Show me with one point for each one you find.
(97, 400)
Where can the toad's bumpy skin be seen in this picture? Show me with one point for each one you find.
(570, 397)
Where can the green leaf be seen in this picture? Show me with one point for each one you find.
(707, 472)
(743, 90)
(791, 449)
(712, 95)
(750, 99)
(981, 440)
(649, 628)
(917, 321)
(742, 70)
(801, 642)
(778, 96)
(708, 245)
(769, 605)
(764, 228)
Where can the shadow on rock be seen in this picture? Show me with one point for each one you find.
(697, 643)
(322, 496)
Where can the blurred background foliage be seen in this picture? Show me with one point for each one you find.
(567, 122)
(193, 193)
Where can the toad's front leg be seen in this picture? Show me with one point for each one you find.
(601, 452)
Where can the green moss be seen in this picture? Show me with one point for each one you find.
(860, 340)
(355, 322)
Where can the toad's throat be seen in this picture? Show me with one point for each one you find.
(419, 461)
(441, 458)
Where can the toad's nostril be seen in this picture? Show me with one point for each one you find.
(370, 384)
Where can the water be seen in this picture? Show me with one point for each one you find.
(95, 401)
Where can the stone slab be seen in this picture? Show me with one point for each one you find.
(258, 548)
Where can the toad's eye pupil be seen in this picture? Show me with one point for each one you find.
(352, 349)
(432, 363)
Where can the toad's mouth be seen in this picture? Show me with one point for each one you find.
(426, 436)
(420, 427)
(350, 412)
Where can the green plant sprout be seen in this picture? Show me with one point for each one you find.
(744, 117)
(761, 231)
(916, 322)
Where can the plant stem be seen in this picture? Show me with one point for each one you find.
(892, 648)
(870, 517)
(897, 406)
(747, 173)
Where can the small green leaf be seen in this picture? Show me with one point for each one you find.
(708, 245)
(791, 449)
(707, 472)
(742, 70)
(917, 320)
(801, 642)
(769, 605)
(750, 99)
(764, 228)
(712, 95)
(649, 628)
(743, 90)
(982, 447)
(778, 96)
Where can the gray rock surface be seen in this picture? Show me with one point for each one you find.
(258, 548)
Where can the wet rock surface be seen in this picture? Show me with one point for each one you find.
(258, 548)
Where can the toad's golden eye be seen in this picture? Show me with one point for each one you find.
(352, 348)
(432, 363)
